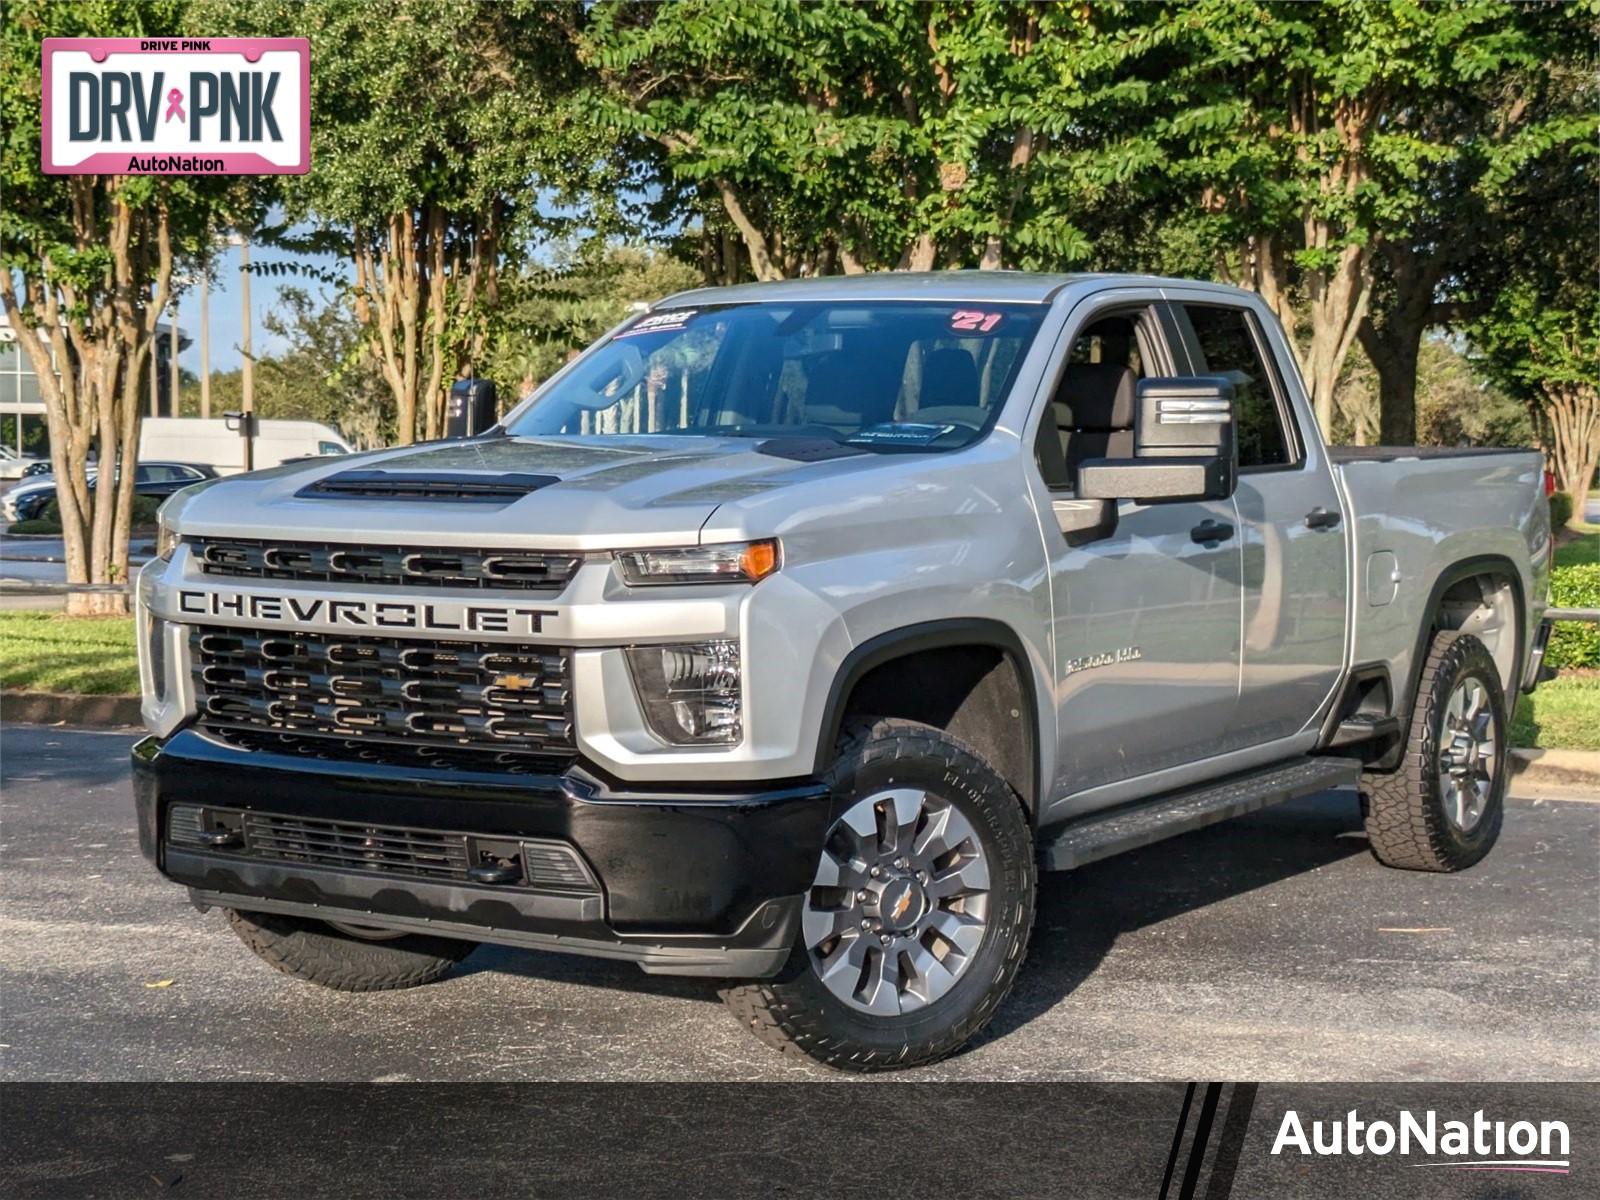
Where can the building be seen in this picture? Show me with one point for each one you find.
(22, 420)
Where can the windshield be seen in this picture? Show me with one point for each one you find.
(881, 375)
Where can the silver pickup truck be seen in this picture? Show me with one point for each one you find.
(787, 632)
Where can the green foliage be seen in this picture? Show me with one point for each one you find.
(549, 314)
(1456, 404)
(144, 514)
(1532, 344)
(324, 373)
(1575, 643)
(888, 132)
(1560, 510)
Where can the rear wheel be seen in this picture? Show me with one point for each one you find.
(1441, 809)
(348, 958)
(919, 913)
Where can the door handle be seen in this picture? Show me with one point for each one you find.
(1321, 518)
(1210, 533)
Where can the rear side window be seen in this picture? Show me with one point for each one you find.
(1229, 347)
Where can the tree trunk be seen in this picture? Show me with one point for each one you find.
(1394, 344)
(1394, 352)
(89, 356)
(1571, 419)
(755, 242)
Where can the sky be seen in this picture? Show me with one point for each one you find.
(227, 314)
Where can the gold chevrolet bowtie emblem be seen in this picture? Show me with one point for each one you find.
(901, 905)
(515, 683)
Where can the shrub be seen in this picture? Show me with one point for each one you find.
(1560, 510)
(144, 512)
(1575, 643)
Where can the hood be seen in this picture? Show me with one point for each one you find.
(562, 493)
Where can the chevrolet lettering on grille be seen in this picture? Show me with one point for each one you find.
(363, 613)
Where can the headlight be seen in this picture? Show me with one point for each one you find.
(689, 692)
(732, 562)
(166, 540)
(167, 537)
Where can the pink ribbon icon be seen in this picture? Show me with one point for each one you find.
(175, 105)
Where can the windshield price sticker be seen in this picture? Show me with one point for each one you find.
(665, 322)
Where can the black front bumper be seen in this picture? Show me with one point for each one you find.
(692, 884)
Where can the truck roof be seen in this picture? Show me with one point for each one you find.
(1027, 287)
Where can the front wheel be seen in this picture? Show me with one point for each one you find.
(347, 958)
(919, 914)
(1442, 807)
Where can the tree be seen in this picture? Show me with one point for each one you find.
(440, 138)
(844, 137)
(324, 372)
(1303, 134)
(1505, 144)
(550, 313)
(1543, 349)
(86, 267)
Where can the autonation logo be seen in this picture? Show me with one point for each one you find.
(1480, 1144)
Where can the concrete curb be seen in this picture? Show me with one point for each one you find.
(57, 708)
(1557, 768)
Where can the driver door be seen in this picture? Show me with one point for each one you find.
(1146, 621)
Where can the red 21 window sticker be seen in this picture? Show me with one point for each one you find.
(969, 320)
(177, 106)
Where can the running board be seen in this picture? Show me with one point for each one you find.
(1150, 821)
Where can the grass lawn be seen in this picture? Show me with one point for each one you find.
(1585, 548)
(1563, 714)
(47, 652)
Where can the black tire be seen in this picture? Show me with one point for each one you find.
(1404, 809)
(796, 1013)
(318, 953)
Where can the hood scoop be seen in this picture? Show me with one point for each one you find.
(462, 487)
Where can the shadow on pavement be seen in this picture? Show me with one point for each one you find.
(1080, 913)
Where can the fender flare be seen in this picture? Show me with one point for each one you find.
(931, 635)
(1466, 568)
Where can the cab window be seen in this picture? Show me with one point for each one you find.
(1230, 346)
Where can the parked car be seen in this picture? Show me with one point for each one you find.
(27, 501)
(788, 632)
(15, 466)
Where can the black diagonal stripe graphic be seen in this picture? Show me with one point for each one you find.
(1177, 1140)
(1197, 1147)
(1241, 1104)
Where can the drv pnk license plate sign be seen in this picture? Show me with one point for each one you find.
(177, 106)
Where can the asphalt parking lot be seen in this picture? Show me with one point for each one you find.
(1271, 948)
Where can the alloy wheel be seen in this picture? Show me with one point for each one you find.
(1468, 754)
(900, 903)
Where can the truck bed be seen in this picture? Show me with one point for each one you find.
(1419, 514)
(1352, 454)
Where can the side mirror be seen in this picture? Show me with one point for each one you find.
(1183, 446)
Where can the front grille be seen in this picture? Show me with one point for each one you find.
(356, 847)
(385, 700)
(379, 849)
(392, 566)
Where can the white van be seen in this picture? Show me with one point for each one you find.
(191, 439)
